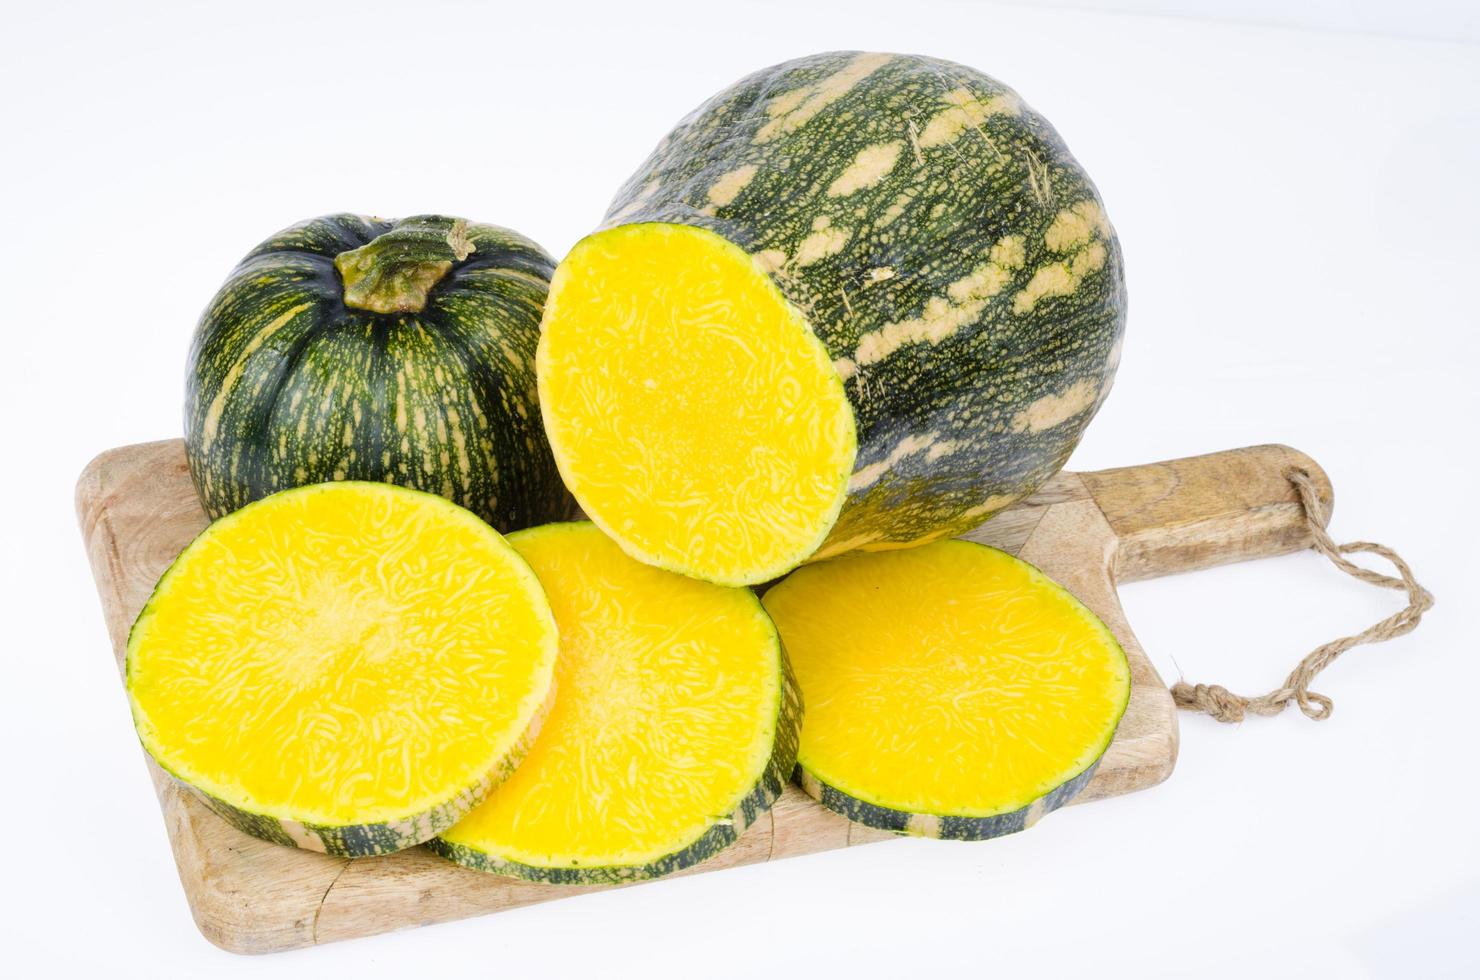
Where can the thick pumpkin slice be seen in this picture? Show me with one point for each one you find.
(691, 409)
(952, 690)
(344, 667)
(675, 726)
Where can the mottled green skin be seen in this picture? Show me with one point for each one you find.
(1007, 174)
(941, 828)
(336, 393)
(718, 837)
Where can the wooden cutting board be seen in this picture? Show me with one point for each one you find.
(137, 510)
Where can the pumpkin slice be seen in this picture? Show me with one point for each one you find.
(345, 667)
(952, 690)
(675, 727)
(690, 408)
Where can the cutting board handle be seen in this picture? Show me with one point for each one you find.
(1231, 506)
(1185, 514)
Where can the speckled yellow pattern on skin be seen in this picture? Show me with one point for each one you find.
(943, 245)
(340, 654)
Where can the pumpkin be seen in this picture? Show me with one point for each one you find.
(675, 728)
(350, 348)
(852, 301)
(344, 667)
(954, 690)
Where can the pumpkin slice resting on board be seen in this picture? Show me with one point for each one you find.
(854, 301)
(675, 726)
(952, 690)
(344, 667)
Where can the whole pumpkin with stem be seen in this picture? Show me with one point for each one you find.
(353, 348)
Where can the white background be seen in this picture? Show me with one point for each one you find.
(1299, 212)
(1436, 19)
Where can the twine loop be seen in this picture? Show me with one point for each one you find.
(1222, 704)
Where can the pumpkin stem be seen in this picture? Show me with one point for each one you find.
(394, 272)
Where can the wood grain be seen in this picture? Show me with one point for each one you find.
(137, 510)
(1201, 511)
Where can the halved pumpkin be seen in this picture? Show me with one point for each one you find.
(344, 667)
(856, 300)
(675, 727)
(952, 690)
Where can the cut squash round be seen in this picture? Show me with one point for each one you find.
(675, 727)
(691, 409)
(953, 691)
(344, 667)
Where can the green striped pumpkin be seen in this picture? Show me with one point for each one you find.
(351, 348)
(936, 236)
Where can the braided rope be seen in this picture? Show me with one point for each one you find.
(1223, 705)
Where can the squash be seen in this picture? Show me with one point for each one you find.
(852, 301)
(954, 691)
(675, 728)
(350, 348)
(346, 667)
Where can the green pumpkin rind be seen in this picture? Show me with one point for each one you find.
(884, 193)
(354, 840)
(287, 385)
(910, 824)
(717, 838)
